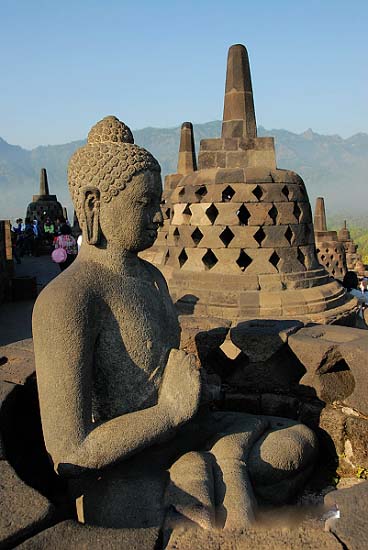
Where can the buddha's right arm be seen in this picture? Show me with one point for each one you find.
(64, 345)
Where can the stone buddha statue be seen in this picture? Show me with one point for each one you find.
(120, 403)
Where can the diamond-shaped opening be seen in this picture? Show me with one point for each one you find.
(176, 234)
(182, 257)
(182, 191)
(187, 213)
(243, 215)
(228, 194)
(209, 259)
(301, 258)
(167, 213)
(197, 236)
(227, 236)
(259, 236)
(289, 234)
(243, 260)
(333, 272)
(273, 212)
(274, 259)
(296, 211)
(285, 191)
(258, 192)
(202, 191)
(212, 213)
(167, 256)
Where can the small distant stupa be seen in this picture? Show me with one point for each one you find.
(238, 239)
(353, 258)
(330, 251)
(44, 205)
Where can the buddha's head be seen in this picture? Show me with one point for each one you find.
(116, 188)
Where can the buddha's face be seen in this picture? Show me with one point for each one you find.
(131, 219)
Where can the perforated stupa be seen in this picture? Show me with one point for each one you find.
(238, 239)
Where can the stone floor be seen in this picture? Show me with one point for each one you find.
(16, 317)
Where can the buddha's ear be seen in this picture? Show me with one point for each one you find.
(91, 213)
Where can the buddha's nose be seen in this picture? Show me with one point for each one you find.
(158, 218)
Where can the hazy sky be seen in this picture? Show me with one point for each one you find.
(66, 64)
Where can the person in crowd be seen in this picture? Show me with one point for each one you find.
(67, 241)
(26, 245)
(19, 227)
(59, 222)
(351, 283)
(49, 230)
(15, 241)
(37, 237)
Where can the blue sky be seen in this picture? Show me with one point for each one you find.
(64, 65)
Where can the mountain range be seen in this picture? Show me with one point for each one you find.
(331, 166)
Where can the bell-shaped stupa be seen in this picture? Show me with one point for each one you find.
(238, 239)
(44, 205)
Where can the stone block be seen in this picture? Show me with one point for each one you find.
(259, 213)
(247, 336)
(71, 534)
(260, 261)
(306, 212)
(207, 160)
(227, 214)
(258, 174)
(243, 237)
(23, 510)
(285, 213)
(181, 214)
(351, 527)
(221, 159)
(199, 216)
(286, 176)
(356, 433)
(231, 144)
(226, 261)
(271, 282)
(18, 363)
(276, 236)
(235, 175)
(211, 145)
(237, 159)
(211, 236)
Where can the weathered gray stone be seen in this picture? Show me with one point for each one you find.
(351, 527)
(261, 539)
(335, 361)
(260, 339)
(6, 389)
(19, 361)
(356, 445)
(265, 223)
(23, 510)
(70, 534)
(118, 400)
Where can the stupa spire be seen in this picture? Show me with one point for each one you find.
(320, 223)
(239, 119)
(44, 185)
(187, 161)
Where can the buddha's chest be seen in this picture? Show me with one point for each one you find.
(136, 329)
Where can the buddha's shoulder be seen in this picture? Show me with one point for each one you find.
(72, 289)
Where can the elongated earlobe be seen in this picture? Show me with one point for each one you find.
(91, 213)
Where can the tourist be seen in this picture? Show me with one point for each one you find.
(26, 245)
(67, 241)
(351, 283)
(49, 230)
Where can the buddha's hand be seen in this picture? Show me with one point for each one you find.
(181, 388)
